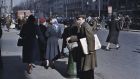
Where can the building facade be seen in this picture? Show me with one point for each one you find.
(3, 8)
(76, 7)
(130, 7)
(70, 8)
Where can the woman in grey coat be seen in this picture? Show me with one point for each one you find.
(53, 33)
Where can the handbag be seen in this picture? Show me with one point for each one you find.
(97, 42)
(72, 45)
(83, 42)
(20, 42)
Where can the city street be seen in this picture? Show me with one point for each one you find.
(123, 63)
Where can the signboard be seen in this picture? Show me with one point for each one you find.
(110, 9)
(23, 13)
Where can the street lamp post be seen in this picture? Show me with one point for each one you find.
(11, 8)
(87, 7)
(99, 7)
(126, 5)
(82, 6)
(66, 11)
(50, 12)
(34, 8)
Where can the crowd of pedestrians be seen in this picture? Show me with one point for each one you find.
(40, 41)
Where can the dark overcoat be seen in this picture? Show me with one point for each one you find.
(42, 45)
(30, 33)
(52, 48)
(85, 62)
(113, 32)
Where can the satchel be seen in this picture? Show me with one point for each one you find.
(97, 42)
(20, 42)
(83, 42)
(72, 45)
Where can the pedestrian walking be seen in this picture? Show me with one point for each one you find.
(114, 29)
(42, 46)
(8, 22)
(121, 21)
(85, 62)
(53, 33)
(127, 22)
(60, 40)
(0, 45)
(0, 28)
(30, 33)
(19, 23)
(93, 23)
(65, 35)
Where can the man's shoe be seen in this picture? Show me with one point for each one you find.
(117, 47)
(107, 49)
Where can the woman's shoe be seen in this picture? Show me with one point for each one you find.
(45, 64)
(46, 67)
(33, 65)
(52, 65)
(29, 69)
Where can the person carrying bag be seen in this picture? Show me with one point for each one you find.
(20, 41)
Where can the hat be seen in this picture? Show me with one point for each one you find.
(81, 16)
(42, 20)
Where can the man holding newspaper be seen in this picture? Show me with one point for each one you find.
(85, 62)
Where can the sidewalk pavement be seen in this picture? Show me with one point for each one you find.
(13, 67)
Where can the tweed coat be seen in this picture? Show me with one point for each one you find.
(85, 62)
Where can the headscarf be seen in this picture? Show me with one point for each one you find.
(55, 23)
(42, 20)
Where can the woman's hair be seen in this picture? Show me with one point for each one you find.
(81, 16)
(113, 17)
(31, 19)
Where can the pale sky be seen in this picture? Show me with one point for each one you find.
(15, 2)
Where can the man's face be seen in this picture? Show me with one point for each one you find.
(80, 21)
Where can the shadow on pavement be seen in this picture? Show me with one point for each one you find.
(137, 51)
(103, 47)
(13, 68)
(61, 67)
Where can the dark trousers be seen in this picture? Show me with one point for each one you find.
(87, 74)
(0, 59)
